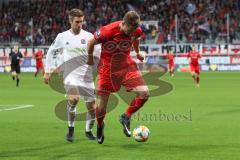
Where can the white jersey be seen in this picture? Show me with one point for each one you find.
(74, 54)
(71, 50)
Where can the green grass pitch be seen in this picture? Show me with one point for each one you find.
(188, 123)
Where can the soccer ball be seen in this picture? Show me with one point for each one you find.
(141, 134)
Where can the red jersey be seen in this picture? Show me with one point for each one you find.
(116, 46)
(170, 58)
(194, 57)
(39, 55)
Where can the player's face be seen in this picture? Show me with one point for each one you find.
(15, 48)
(76, 24)
(128, 29)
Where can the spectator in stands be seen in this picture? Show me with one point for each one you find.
(198, 20)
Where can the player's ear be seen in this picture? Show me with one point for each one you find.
(70, 18)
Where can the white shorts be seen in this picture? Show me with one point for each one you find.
(83, 84)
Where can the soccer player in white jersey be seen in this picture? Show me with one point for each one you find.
(78, 78)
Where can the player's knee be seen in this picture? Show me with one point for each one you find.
(144, 94)
(194, 75)
(73, 100)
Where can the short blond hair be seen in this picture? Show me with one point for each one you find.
(132, 18)
(75, 13)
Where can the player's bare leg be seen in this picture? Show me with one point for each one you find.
(198, 80)
(172, 72)
(100, 115)
(38, 70)
(43, 71)
(13, 75)
(90, 119)
(73, 99)
(169, 71)
(142, 95)
(194, 77)
(36, 73)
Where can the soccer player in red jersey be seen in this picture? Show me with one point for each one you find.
(193, 57)
(170, 58)
(39, 63)
(116, 68)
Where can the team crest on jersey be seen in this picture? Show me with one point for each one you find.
(83, 41)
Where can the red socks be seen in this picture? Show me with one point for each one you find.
(136, 104)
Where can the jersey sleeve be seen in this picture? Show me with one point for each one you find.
(55, 46)
(138, 32)
(102, 35)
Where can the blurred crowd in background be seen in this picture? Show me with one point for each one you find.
(37, 22)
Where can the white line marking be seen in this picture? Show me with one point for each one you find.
(13, 105)
(19, 107)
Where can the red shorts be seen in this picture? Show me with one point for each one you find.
(195, 69)
(170, 65)
(108, 83)
(39, 66)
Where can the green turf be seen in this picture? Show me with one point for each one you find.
(205, 124)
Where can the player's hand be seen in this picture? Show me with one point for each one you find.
(46, 78)
(140, 57)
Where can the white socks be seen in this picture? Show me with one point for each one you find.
(71, 114)
(89, 122)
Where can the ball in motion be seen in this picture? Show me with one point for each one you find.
(141, 133)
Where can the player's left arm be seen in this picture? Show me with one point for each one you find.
(189, 57)
(136, 42)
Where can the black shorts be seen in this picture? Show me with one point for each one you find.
(15, 68)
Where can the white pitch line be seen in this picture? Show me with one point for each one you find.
(20, 107)
(13, 105)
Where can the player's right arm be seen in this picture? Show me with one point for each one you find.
(189, 57)
(56, 45)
